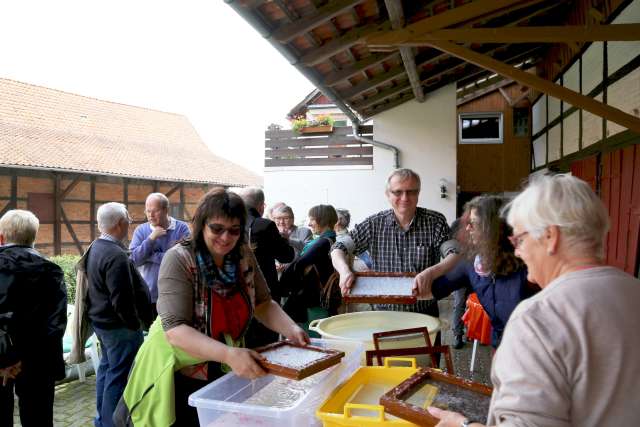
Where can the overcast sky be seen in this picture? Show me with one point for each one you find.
(193, 57)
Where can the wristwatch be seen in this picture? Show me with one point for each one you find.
(467, 422)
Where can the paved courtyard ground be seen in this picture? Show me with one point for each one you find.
(75, 401)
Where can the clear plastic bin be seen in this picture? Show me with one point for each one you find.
(274, 401)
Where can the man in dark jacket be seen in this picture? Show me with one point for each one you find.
(117, 306)
(268, 246)
(33, 318)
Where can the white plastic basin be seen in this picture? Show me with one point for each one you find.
(361, 325)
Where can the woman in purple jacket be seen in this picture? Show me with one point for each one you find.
(489, 266)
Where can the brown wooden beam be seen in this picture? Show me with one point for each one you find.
(57, 208)
(173, 190)
(341, 75)
(70, 187)
(288, 32)
(13, 201)
(71, 231)
(445, 19)
(348, 40)
(502, 82)
(558, 34)
(396, 16)
(92, 207)
(578, 100)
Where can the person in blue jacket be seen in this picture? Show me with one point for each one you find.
(490, 267)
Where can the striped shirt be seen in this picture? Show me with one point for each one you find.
(393, 249)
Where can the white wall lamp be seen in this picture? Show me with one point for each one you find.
(443, 188)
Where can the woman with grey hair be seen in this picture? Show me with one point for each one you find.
(567, 357)
(342, 229)
(298, 236)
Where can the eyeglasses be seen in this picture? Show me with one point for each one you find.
(282, 218)
(517, 240)
(409, 193)
(218, 229)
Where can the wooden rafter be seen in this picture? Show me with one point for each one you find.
(574, 33)
(288, 32)
(356, 68)
(578, 100)
(396, 16)
(346, 41)
(396, 72)
(389, 92)
(445, 19)
(499, 84)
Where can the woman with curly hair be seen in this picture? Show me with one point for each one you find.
(489, 267)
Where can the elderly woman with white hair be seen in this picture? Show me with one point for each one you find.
(567, 356)
(33, 318)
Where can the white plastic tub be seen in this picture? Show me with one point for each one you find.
(233, 401)
(360, 326)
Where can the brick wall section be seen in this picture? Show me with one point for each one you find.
(77, 206)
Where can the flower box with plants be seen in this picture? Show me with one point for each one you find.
(322, 124)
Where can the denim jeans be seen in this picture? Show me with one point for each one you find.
(119, 348)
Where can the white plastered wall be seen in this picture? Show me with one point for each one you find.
(425, 134)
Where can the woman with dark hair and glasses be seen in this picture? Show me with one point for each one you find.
(210, 288)
(490, 267)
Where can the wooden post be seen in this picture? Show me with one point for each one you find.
(92, 213)
(57, 206)
(182, 201)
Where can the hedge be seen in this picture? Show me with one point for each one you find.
(67, 263)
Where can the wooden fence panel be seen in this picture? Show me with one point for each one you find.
(286, 148)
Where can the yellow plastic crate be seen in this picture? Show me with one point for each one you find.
(356, 402)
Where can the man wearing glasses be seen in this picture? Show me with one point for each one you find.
(405, 238)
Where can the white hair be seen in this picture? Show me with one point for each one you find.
(110, 214)
(564, 201)
(403, 174)
(19, 227)
(164, 200)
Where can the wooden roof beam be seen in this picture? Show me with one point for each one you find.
(534, 82)
(336, 77)
(500, 83)
(558, 34)
(396, 71)
(396, 16)
(445, 19)
(286, 33)
(346, 41)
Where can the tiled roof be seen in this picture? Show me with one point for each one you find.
(47, 128)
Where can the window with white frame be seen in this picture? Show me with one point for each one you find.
(480, 128)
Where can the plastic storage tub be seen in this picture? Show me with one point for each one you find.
(234, 401)
(361, 325)
(356, 402)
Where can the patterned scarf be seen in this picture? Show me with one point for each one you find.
(223, 280)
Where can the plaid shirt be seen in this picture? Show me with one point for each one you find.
(393, 249)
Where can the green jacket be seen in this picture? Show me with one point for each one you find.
(148, 399)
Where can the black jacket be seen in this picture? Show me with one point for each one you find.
(33, 311)
(268, 246)
(117, 296)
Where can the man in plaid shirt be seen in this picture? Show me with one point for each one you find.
(405, 238)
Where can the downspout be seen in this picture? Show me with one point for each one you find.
(285, 51)
(392, 148)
